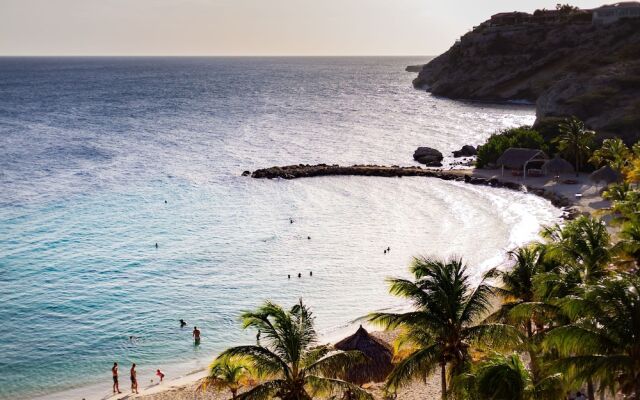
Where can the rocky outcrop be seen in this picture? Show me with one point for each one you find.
(566, 68)
(428, 156)
(466, 151)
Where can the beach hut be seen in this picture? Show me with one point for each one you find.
(557, 166)
(519, 159)
(605, 174)
(379, 355)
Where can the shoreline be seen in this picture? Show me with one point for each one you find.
(184, 386)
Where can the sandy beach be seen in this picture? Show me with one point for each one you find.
(584, 196)
(186, 388)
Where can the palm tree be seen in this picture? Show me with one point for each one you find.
(504, 377)
(292, 365)
(613, 152)
(575, 140)
(629, 245)
(445, 321)
(603, 342)
(228, 373)
(522, 303)
(582, 244)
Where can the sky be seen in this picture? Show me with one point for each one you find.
(245, 27)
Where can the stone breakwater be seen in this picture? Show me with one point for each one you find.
(394, 171)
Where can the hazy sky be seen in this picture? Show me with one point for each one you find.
(244, 27)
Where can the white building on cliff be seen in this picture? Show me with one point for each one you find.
(612, 13)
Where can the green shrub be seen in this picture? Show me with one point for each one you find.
(497, 143)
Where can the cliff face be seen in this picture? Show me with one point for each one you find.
(567, 68)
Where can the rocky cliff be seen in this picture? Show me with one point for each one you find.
(567, 68)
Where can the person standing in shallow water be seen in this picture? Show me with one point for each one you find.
(196, 335)
(134, 379)
(114, 373)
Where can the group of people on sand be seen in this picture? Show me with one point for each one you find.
(133, 374)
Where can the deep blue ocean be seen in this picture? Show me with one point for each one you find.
(102, 158)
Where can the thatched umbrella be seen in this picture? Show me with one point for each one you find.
(557, 166)
(605, 174)
(379, 354)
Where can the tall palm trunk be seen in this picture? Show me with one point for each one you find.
(590, 391)
(577, 162)
(443, 379)
(533, 357)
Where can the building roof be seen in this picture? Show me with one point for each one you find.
(379, 357)
(557, 166)
(516, 157)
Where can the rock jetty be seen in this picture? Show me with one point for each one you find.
(309, 171)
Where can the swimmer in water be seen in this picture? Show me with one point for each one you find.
(196, 335)
(299, 275)
(156, 245)
(182, 323)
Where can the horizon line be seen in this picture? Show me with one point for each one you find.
(208, 55)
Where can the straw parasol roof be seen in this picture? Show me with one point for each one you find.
(605, 174)
(557, 166)
(379, 354)
(516, 157)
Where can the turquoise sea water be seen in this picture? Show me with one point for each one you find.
(90, 150)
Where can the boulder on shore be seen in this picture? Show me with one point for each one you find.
(465, 151)
(428, 156)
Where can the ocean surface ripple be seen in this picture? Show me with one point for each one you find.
(102, 158)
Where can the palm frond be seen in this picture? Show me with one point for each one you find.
(417, 365)
(321, 386)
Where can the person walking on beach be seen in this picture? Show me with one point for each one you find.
(196, 335)
(114, 373)
(134, 379)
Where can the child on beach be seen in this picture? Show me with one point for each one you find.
(160, 375)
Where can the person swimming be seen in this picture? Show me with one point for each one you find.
(310, 273)
(291, 220)
(182, 323)
(289, 276)
(308, 237)
(156, 245)
(299, 275)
